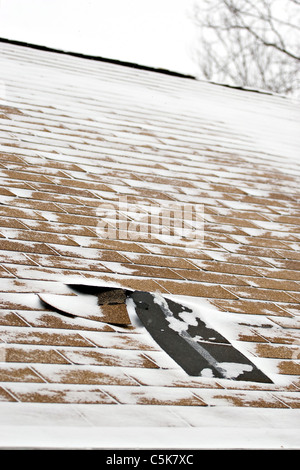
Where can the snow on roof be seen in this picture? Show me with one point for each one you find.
(127, 178)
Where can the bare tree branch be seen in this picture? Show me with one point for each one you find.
(250, 42)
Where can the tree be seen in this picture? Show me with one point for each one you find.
(250, 43)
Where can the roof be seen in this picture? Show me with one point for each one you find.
(94, 157)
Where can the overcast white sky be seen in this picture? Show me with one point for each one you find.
(155, 33)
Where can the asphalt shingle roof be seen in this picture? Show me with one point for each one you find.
(79, 136)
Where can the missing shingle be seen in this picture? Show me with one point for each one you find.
(195, 346)
(112, 297)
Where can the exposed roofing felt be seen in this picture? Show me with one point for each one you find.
(94, 157)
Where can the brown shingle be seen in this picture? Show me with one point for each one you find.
(67, 262)
(253, 307)
(43, 237)
(274, 284)
(33, 354)
(4, 273)
(125, 247)
(289, 399)
(26, 176)
(59, 394)
(282, 351)
(216, 278)
(108, 357)
(251, 261)
(279, 335)
(155, 272)
(154, 260)
(24, 247)
(9, 318)
(44, 226)
(93, 375)
(35, 337)
(274, 273)
(256, 399)
(226, 268)
(44, 319)
(289, 367)
(6, 396)
(256, 293)
(196, 289)
(11, 223)
(154, 396)
(87, 253)
(9, 373)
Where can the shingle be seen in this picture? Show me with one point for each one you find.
(10, 318)
(108, 357)
(50, 319)
(228, 268)
(279, 335)
(12, 223)
(289, 399)
(32, 354)
(44, 237)
(256, 293)
(249, 261)
(216, 278)
(197, 289)
(53, 227)
(60, 393)
(24, 247)
(155, 272)
(282, 351)
(4, 273)
(10, 373)
(252, 307)
(24, 176)
(87, 253)
(42, 273)
(6, 396)
(10, 157)
(67, 262)
(93, 375)
(289, 367)
(291, 322)
(256, 399)
(155, 260)
(170, 378)
(39, 337)
(154, 396)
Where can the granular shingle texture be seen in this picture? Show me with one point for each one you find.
(94, 157)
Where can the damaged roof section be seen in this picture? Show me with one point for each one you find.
(197, 348)
(94, 157)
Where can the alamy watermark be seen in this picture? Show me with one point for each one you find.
(171, 222)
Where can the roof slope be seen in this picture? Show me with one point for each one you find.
(79, 137)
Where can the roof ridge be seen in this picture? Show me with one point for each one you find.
(96, 58)
(134, 65)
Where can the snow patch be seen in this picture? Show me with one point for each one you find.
(233, 370)
(131, 309)
(208, 373)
